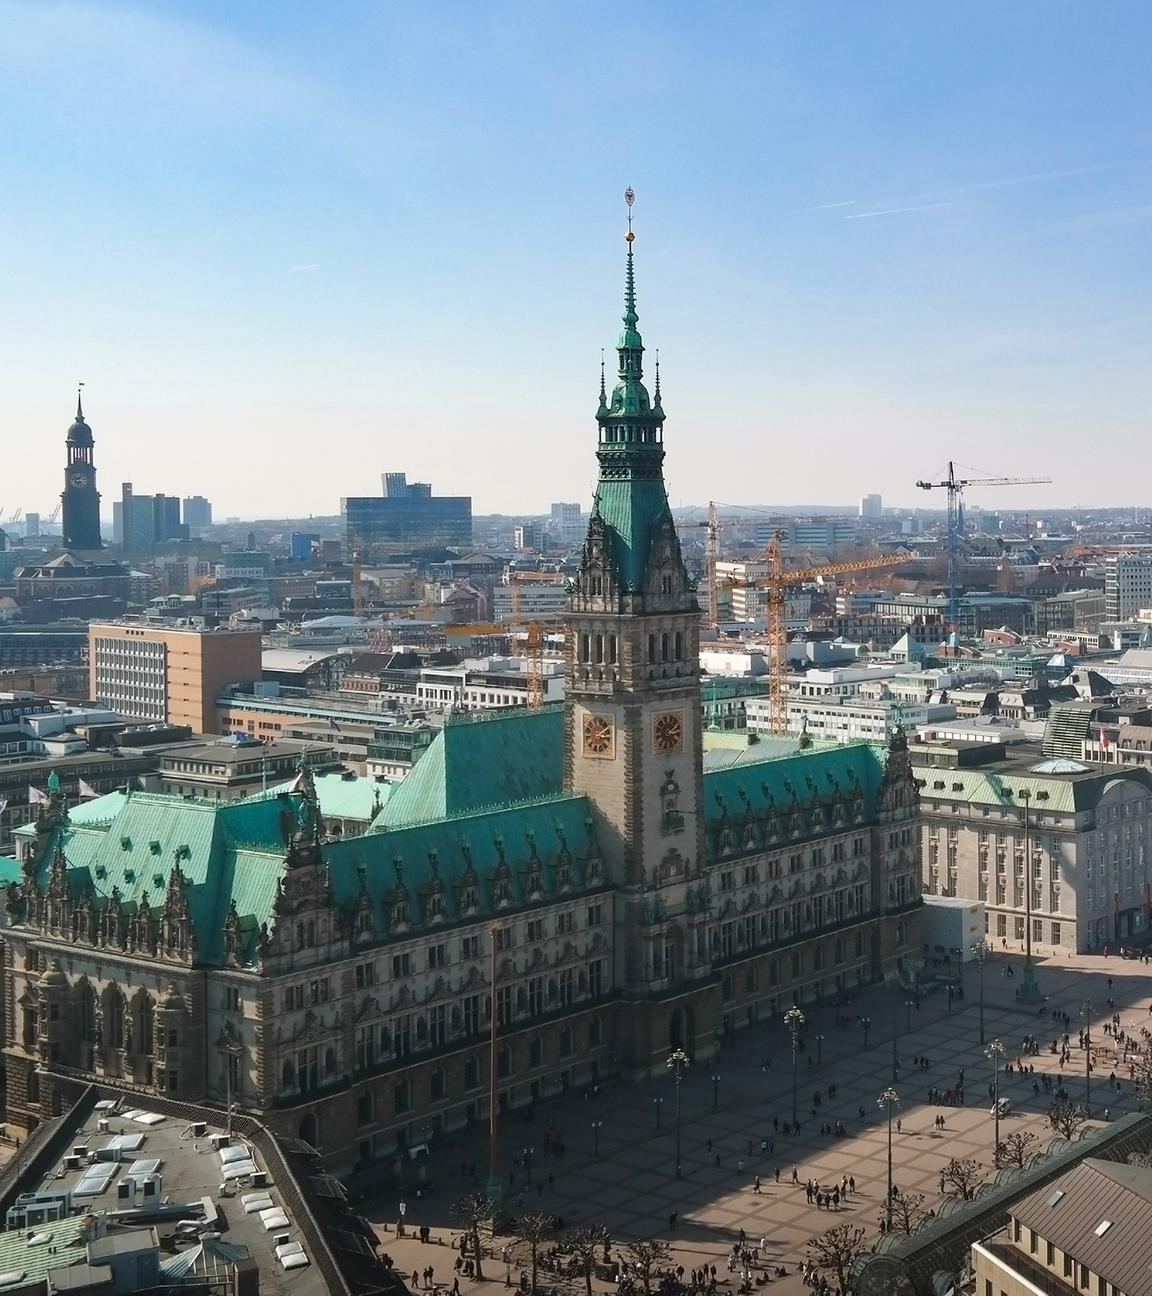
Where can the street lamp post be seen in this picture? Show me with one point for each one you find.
(596, 1137)
(677, 1061)
(908, 1006)
(994, 1052)
(1086, 1014)
(980, 954)
(959, 966)
(1029, 991)
(889, 1098)
(658, 1103)
(819, 1049)
(866, 1022)
(794, 1020)
(715, 1090)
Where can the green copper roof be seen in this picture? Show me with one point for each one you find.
(494, 758)
(810, 783)
(342, 798)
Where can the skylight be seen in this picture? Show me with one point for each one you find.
(1055, 1198)
(1103, 1227)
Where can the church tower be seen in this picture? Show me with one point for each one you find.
(80, 498)
(633, 698)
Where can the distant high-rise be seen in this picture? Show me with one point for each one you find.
(871, 506)
(407, 516)
(1127, 586)
(80, 499)
(567, 524)
(31, 525)
(144, 521)
(197, 512)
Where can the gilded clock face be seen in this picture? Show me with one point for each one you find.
(79, 479)
(597, 736)
(668, 731)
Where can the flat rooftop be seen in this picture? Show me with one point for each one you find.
(125, 1144)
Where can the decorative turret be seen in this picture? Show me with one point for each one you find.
(632, 549)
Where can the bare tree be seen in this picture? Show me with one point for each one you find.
(838, 1250)
(908, 1212)
(962, 1177)
(1020, 1149)
(585, 1242)
(533, 1229)
(472, 1211)
(1066, 1118)
(648, 1256)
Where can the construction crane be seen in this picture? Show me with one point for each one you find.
(55, 513)
(534, 626)
(776, 583)
(955, 533)
(711, 556)
(15, 517)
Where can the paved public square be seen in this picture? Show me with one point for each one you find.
(631, 1186)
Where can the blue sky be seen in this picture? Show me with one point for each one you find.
(289, 245)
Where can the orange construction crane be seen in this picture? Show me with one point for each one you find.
(534, 647)
(776, 583)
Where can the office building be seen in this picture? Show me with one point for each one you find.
(820, 535)
(143, 521)
(871, 507)
(566, 525)
(31, 526)
(80, 500)
(197, 513)
(1084, 830)
(528, 537)
(168, 675)
(340, 990)
(407, 517)
(1127, 586)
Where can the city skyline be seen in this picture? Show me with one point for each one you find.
(862, 247)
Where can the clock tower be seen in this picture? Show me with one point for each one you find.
(80, 498)
(633, 702)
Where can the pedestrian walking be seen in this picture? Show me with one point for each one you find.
(756, 1185)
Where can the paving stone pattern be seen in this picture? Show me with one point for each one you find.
(631, 1187)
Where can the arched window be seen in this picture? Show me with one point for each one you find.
(599, 648)
(651, 648)
(584, 649)
(288, 1075)
(612, 650)
(330, 1062)
(664, 647)
(679, 646)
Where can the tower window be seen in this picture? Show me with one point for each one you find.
(679, 646)
(663, 647)
(651, 647)
(599, 648)
(584, 647)
(612, 649)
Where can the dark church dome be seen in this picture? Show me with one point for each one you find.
(79, 433)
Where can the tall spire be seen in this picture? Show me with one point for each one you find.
(79, 406)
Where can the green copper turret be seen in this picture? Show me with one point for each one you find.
(631, 500)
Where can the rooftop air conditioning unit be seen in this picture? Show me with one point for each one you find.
(218, 1141)
(73, 1162)
(199, 1129)
(260, 1179)
(102, 1125)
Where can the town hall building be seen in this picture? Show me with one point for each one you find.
(599, 874)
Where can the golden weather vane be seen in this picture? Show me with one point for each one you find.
(630, 198)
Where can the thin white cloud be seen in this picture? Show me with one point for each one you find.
(299, 269)
(831, 206)
(896, 211)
